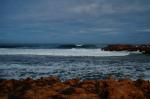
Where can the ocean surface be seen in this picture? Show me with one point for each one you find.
(71, 61)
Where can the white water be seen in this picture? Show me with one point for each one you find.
(61, 52)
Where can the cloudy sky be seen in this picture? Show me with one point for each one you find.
(74, 21)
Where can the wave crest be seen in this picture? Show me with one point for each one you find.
(62, 52)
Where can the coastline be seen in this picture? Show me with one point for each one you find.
(53, 88)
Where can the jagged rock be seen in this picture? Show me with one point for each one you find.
(53, 88)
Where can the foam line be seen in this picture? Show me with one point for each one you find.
(61, 52)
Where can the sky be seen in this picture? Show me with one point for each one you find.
(75, 21)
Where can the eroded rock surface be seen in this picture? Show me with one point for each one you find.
(53, 88)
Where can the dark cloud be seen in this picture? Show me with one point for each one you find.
(95, 21)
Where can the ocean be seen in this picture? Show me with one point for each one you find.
(67, 61)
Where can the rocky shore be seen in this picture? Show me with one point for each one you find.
(53, 88)
(145, 49)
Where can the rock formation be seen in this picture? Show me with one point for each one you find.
(53, 88)
(124, 47)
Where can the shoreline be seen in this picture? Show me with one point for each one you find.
(53, 88)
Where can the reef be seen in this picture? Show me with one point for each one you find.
(54, 88)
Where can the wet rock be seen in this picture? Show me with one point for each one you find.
(146, 51)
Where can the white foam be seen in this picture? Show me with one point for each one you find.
(61, 52)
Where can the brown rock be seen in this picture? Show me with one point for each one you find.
(52, 88)
(144, 86)
(119, 47)
(72, 82)
(60, 86)
(41, 93)
(124, 47)
(83, 96)
(125, 89)
(89, 86)
(79, 91)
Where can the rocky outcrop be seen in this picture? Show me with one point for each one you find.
(53, 88)
(123, 47)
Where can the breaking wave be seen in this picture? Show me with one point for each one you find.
(61, 52)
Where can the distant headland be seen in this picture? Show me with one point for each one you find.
(145, 49)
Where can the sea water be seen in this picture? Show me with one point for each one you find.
(71, 61)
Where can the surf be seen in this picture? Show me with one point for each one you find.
(62, 52)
